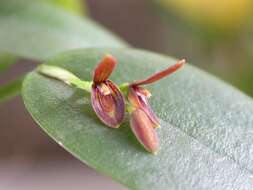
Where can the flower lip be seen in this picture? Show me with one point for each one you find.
(104, 69)
(138, 98)
(161, 74)
(109, 106)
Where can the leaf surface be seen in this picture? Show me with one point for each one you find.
(206, 133)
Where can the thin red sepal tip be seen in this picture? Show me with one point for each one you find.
(161, 74)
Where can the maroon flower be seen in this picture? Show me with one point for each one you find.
(107, 100)
(139, 107)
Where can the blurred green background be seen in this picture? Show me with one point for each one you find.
(215, 35)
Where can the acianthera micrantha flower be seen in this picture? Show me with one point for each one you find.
(109, 101)
(142, 118)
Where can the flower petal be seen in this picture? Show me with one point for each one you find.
(161, 74)
(143, 130)
(109, 107)
(104, 69)
(139, 99)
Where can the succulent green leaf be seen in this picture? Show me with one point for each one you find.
(206, 134)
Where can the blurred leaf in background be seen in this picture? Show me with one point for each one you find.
(10, 90)
(215, 35)
(6, 60)
(38, 30)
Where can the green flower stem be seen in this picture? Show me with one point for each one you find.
(65, 76)
(124, 88)
(71, 79)
(85, 85)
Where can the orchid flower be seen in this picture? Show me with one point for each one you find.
(109, 103)
(107, 100)
(142, 119)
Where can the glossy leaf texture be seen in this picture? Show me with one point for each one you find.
(206, 134)
(38, 30)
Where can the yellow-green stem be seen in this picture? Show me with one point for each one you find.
(65, 76)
